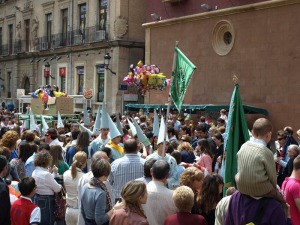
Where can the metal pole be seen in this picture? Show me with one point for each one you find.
(169, 102)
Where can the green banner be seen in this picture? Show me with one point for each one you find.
(182, 74)
(237, 134)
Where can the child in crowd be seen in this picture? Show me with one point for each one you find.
(223, 115)
(256, 171)
(23, 211)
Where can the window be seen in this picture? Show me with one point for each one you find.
(48, 28)
(82, 20)
(10, 38)
(0, 40)
(80, 72)
(63, 84)
(101, 79)
(27, 86)
(27, 35)
(102, 15)
(9, 84)
(64, 28)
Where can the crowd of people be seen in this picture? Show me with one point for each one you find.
(138, 169)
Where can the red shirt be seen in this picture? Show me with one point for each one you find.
(21, 210)
(291, 191)
(183, 218)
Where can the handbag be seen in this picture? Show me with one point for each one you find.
(88, 161)
(60, 204)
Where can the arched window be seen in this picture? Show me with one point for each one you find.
(27, 86)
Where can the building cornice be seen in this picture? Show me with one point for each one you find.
(48, 4)
(75, 49)
(222, 12)
(11, 16)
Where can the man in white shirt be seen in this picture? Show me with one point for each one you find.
(159, 203)
(51, 137)
(176, 123)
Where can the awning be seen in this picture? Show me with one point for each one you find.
(194, 108)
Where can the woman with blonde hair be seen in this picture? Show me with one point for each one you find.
(9, 139)
(183, 198)
(187, 152)
(193, 178)
(71, 180)
(134, 193)
(56, 153)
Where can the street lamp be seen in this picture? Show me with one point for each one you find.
(106, 63)
(47, 67)
(47, 70)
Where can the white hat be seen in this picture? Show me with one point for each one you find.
(162, 132)
(59, 121)
(132, 128)
(96, 129)
(142, 137)
(118, 124)
(86, 118)
(104, 118)
(113, 130)
(155, 124)
(136, 119)
(26, 123)
(45, 125)
(85, 129)
(32, 121)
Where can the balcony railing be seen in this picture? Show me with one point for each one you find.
(60, 40)
(3, 49)
(20, 46)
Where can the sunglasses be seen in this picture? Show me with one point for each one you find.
(279, 139)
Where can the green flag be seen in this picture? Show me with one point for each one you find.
(182, 72)
(236, 135)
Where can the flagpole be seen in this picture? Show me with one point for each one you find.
(169, 101)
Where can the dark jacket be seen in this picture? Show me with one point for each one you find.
(5, 204)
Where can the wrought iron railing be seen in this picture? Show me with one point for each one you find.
(60, 40)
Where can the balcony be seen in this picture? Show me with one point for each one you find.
(3, 50)
(20, 46)
(60, 40)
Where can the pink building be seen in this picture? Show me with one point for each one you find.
(258, 41)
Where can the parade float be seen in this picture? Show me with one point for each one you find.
(48, 100)
(146, 77)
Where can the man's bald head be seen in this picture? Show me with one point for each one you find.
(130, 146)
(99, 155)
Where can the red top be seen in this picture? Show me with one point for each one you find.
(183, 218)
(20, 211)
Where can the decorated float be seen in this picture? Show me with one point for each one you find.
(146, 77)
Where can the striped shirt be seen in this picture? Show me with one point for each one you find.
(127, 168)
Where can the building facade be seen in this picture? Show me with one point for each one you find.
(63, 43)
(256, 42)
